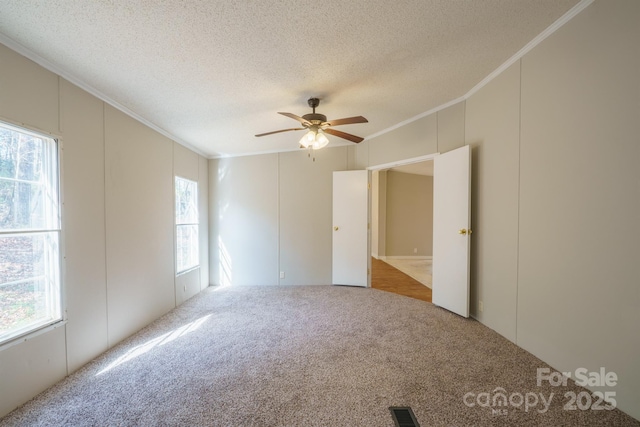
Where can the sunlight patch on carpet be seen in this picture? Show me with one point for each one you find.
(155, 342)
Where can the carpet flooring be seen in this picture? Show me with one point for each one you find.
(306, 356)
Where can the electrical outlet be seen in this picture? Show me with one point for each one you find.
(480, 306)
(415, 250)
(282, 274)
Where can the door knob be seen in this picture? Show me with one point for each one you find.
(335, 228)
(464, 231)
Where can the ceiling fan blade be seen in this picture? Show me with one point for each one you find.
(278, 131)
(344, 135)
(298, 118)
(347, 121)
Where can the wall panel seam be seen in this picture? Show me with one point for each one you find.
(104, 196)
(519, 193)
(278, 230)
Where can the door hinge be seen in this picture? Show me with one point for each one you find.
(368, 226)
(369, 186)
(368, 272)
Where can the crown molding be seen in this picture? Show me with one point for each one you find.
(583, 4)
(529, 46)
(414, 118)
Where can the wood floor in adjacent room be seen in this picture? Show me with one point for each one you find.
(390, 279)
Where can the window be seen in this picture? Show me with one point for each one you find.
(29, 232)
(187, 252)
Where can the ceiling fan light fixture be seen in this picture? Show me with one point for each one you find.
(321, 141)
(314, 139)
(307, 139)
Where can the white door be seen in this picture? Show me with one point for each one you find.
(350, 233)
(451, 230)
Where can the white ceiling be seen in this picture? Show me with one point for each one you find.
(211, 74)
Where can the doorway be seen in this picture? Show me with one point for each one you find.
(402, 229)
(451, 226)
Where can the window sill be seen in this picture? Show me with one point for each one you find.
(32, 334)
(197, 267)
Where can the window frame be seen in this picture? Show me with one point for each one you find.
(53, 227)
(178, 224)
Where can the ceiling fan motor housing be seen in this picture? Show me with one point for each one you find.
(315, 118)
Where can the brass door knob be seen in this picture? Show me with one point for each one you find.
(335, 228)
(464, 231)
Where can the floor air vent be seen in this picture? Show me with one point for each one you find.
(403, 417)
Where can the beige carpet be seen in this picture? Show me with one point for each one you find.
(419, 269)
(305, 356)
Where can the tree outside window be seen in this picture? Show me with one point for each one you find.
(187, 247)
(29, 232)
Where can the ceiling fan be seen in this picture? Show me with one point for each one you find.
(317, 126)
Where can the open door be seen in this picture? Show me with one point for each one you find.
(451, 230)
(350, 230)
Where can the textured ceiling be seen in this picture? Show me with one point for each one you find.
(214, 73)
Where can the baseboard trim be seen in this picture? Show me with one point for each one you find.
(406, 257)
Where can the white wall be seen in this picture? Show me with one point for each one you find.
(203, 211)
(578, 275)
(412, 140)
(375, 213)
(273, 214)
(493, 131)
(117, 230)
(243, 200)
(382, 212)
(305, 215)
(82, 121)
(436, 133)
(451, 134)
(139, 214)
(555, 142)
(409, 215)
(378, 213)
